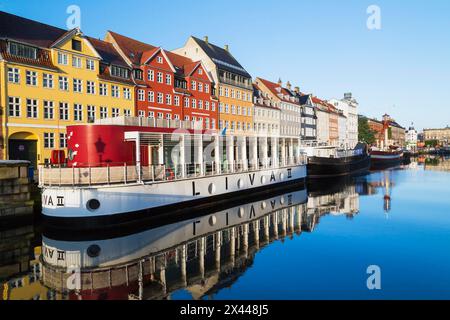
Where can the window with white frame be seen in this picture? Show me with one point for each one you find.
(176, 117)
(31, 78)
(233, 109)
(206, 88)
(186, 118)
(207, 105)
(47, 80)
(200, 104)
(160, 98)
(227, 108)
(159, 77)
(63, 111)
(168, 99)
(227, 92)
(151, 75)
(32, 108)
(233, 93)
(159, 59)
(200, 87)
(14, 106)
(103, 112)
(193, 85)
(127, 112)
(13, 75)
(48, 109)
(115, 92)
(213, 123)
(62, 140)
(62, 59)
(90, 87)
(141, 113)
(168, 116)
(194, 103)
(221, 91)
(77, 85)
(141, 95)
(127, 93)
(76, 62)
(186, 102)
(151, 96)
(206, 123)
(176, 101)
(90, 64)
(168, 79)
(91, 113)
(213, 106)
(200, 71)
(103, 89)
(151, 114)
(115, 112)
(77, 112)
(49, 140)
(160, 115)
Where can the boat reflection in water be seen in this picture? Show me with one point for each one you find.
(200, 255)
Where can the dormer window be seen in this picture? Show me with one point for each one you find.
(138, 74)
(76, 45)
(22, 50)
(119, 72)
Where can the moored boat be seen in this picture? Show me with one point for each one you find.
(385, 158)
(117, 173)
(328, 162)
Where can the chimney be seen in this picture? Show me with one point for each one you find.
(297, 90)
(280, 83)
(288, 85)
(205, 38)
(227, 48)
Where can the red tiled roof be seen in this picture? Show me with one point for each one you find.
(107, 51)
(43, 57)
(276, 90)
(132, 48)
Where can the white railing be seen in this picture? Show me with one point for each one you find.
(113, 174)
(151, 122)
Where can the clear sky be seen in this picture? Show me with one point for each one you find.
(322, 46)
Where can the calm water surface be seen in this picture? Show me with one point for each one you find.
(303, 244)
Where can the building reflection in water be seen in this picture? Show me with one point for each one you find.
(436, 163)
(200, 255)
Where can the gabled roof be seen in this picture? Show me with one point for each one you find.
(28, 31)
(258, 96)
(276, 90)
(133, 49)
(107, 52)
(222, 58)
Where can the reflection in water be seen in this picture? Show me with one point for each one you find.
(436, 163)
(201, 255)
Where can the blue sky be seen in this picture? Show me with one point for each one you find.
(323, 46)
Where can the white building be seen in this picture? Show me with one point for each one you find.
(266, 114)
(349, 107)
(343, 132)
(411, 138)
(323, 125)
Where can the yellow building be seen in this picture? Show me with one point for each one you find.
(233, 83)
(52, 78)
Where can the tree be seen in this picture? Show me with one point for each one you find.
(365, 134)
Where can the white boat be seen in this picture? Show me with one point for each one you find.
(102, 183)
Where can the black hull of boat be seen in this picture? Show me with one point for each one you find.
(319, 168)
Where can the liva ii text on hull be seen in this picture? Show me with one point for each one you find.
(121, 172)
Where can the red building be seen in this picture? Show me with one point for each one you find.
(169, 86)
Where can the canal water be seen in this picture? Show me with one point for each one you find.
(381, 236)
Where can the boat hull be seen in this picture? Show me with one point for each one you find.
(124, 204)
(385, 159)
(319, 167)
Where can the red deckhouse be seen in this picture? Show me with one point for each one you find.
(169, 86)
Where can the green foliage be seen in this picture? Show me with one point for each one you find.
(431, 143)
(365, 134)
